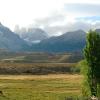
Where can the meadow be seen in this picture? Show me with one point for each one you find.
(39, 76)
(40, 87)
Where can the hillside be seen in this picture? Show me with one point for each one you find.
(70, 42)
(37, 40)
(32, 35)
(11, 41)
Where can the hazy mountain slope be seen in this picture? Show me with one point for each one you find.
(32, 35)
(11, 41)
(70, 41)
(97, 30)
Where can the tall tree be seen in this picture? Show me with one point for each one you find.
(92, 56)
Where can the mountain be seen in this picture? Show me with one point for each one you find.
(68, 42)
(9, 40)
(97, 30)
(32, 35)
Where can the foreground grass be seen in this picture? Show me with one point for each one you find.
(43, 87)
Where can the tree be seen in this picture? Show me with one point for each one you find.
(92, 57)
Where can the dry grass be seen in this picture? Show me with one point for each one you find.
(69, 77)
(9, 64)
(35, 68)
(40, 87)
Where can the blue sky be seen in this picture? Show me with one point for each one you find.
(83, 9)
(92, 18)
(54, 16)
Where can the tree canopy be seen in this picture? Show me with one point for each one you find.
(92, 57)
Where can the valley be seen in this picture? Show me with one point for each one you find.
(39, 63)
(39, 75)
(44, 70)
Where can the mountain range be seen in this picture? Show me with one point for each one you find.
(68, 42)
(32, 35)
(11, 41)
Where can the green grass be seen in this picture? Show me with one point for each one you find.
(44, 87)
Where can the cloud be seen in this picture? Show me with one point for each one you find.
(55, 17)
(72, 17)
(57, 25)
(60, 16)
(68, 27)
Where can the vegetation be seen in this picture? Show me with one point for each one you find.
(92, 57)
(39, 57)
(39, 76)
(38, 63)
(27, 76)
(37, 68)
(40, 87)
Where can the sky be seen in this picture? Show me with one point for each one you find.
(54, 16)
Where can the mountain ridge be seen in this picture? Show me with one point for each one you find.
(67, 42)
(32, 35)
(70, 41)
(11, 41)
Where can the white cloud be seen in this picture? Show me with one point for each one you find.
(54, 16)
(24, 12)
(59, 27)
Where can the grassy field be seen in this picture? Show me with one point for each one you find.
(39, 76)
(40, 87)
